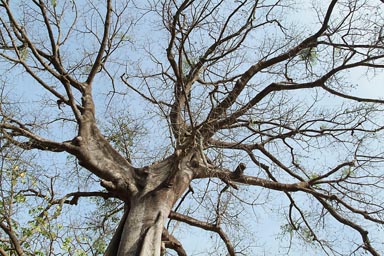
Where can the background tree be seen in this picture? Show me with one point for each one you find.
(198, 112)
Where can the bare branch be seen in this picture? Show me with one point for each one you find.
(364, 234)
(171, 242)
(206, 226)
(103, 45)
(15, 242)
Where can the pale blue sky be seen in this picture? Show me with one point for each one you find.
(267, 227)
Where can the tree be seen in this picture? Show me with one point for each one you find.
(243, 100)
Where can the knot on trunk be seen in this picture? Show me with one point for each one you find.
(239, 171)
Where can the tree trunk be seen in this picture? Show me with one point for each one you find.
(141, 227)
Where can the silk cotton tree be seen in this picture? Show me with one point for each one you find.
(240, 98)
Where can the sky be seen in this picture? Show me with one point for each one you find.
(195, 242)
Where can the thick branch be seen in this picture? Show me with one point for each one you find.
(171, 242)
(35, 141)
(227, 102)
(2, 252)
(13, 238)
(206, 226)
(229, 176)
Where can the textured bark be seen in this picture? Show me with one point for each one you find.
(140, 230)
(150, 192)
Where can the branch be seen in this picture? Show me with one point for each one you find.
(273, 87)
(2, 252)
(75, 196)
(350, 97)
(42, 7)
(206, 226)
(150, 99)
(171, 242)
(261, 148)
(12, 236)
(337, 168)
(364, 234)
(35, 141)
(46, 60)
(99, 59)
(210, 125)
(228, 177)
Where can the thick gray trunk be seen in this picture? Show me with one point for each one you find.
(141, 228)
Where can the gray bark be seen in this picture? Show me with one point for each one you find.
(140, 230)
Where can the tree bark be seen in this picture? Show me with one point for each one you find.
(141, 227)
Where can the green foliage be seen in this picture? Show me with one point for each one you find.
(35, 214)
(20, 198)
(308, 54)
(38, 253)
(79, 252)
(302, 231)
(347, 172)
(54, 3)
(307, 235)
(67, 244)
(287, 229)
(100, 246)
(23, 54)
(313, 175)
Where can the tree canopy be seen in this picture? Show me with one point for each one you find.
(126, 123)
